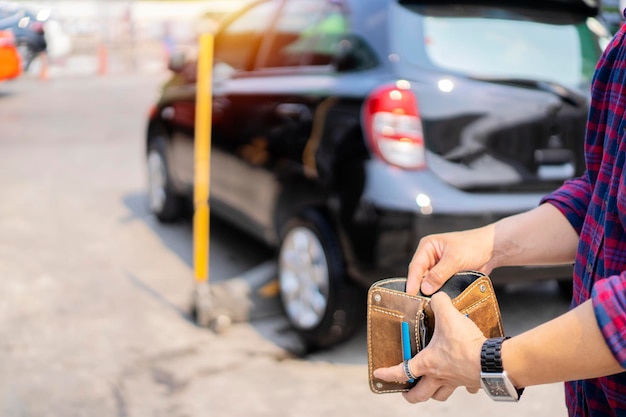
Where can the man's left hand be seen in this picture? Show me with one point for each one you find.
(451, 359)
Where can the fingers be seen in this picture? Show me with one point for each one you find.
(443, 393)
(472, 390)
(417, 269)
(436, 276)
(429, 269)
(396, 372)
(434, 279)
(428, 388)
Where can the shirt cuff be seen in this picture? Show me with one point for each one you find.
(572, 200)
(609, 304)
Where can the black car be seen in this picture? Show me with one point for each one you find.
(28, 29)
(345, 130)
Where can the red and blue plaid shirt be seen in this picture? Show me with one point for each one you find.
(595, 204)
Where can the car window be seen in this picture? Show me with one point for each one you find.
(306, 33)
(237, 42)
(501, 43)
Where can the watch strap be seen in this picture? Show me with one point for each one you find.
(491, 355)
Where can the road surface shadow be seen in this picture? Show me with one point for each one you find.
(233, 253)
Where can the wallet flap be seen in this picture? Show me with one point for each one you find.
(478, 301)
(475, 297)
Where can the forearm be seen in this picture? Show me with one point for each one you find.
(570, 347)
(541, 236)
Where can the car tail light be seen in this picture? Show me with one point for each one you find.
(37, 27)
(394, 126)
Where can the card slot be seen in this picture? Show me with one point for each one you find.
(385, 336)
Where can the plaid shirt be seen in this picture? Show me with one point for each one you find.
(595, 204)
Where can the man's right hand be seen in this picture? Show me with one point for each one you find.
(440, 256)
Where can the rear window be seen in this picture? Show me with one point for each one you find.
(504, 43)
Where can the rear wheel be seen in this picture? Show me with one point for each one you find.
(317, 299)
(164, 203)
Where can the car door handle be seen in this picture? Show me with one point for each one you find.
(295, 111)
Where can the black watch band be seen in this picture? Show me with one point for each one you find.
(491, 358)
(490, 355)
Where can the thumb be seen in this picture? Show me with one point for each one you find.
(441, 304)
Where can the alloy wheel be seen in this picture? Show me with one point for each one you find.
(303, 278)
(157, 177)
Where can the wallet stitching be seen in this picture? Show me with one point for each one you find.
(388, 280)
(386, 311)
(401, 294)
(369, 347)
(416, 330)
(474, 273)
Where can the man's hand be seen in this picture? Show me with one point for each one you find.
(440, 256)
(451, 359)
(506, 242)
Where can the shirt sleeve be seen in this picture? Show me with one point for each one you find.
(609, 304)
(572, 199)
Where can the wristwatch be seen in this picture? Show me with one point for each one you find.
(493, 378)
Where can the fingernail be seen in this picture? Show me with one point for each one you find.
(427, 288)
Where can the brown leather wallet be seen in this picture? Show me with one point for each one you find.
(388, 306)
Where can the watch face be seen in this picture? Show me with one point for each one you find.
(496, 387)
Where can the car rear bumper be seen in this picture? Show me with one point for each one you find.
(398, 208)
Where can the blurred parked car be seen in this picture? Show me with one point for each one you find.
(345, 130)
(28, 29)
(10, 64)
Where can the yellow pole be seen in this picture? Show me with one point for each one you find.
(202, 152)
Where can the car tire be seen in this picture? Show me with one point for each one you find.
(317, 298)
(163, 201)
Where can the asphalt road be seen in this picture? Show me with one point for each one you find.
(95, 293)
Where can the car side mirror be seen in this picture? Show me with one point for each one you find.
(176, 62)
